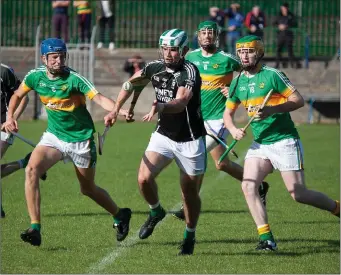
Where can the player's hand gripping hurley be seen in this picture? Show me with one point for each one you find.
(101, 138)
(266, 99)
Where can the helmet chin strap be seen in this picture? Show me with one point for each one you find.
(56, 71)
(209, 47)
(173, 66)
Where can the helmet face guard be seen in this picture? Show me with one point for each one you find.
(173, 40)
(253, 48)
(211, 31)
(53, 46)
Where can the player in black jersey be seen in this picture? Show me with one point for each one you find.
(179, 133)
(9, 83)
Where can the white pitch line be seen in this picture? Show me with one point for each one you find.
(132, 240)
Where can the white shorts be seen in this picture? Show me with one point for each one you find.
(9, 138)
(284, 155)
(190, 156)
(217, 128)
(82, 154)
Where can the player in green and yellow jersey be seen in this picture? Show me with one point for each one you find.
(216, 70)
(69, 134)
(276, 142)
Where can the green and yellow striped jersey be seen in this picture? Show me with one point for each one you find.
(250, 91)
(64, 100)
(216, 71)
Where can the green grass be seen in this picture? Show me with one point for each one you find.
(78, 235)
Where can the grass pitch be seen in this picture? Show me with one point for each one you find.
(78, 235)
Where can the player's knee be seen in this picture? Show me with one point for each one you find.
(142, 180)
(249, 187)
(88, 190)
(31, 172)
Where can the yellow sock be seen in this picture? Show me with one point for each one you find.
(265, 228)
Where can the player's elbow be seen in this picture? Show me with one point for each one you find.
(301, 102)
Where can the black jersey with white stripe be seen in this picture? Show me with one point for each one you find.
(188, 124)
(9, 83)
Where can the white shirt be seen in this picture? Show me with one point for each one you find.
(106, 8)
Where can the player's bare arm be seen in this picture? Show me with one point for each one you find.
(137, 80)
(236, 133)
(21, 108)
(11, 124)
(107, 104)
(177, 105)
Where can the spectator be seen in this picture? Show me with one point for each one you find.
(106, 16)
(133, 65)
(84, 20)
(234, 26)
(218, 16)
(255, 22)
(60, 19)
(285, 21)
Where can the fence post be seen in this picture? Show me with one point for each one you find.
(92, 62)
(306, 52)
(37, 107)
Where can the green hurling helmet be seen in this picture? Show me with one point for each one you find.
(251, 42)
(209, 25)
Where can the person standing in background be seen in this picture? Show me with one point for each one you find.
(60, 20)
(234, 26)
(106, 16)
(285, 21)
(84, 20)
(255, 22)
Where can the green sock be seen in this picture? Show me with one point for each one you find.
(36, 226)
(267, 236)
(116, 218)
(189, 234)
(156, 211)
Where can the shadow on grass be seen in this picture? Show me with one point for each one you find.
(56, 249)
(318, 246)
(139, 212)
(311, 222)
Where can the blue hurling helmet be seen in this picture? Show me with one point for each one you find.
(52, 45)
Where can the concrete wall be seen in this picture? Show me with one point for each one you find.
(316, 81)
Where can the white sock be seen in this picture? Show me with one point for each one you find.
(190, 229)
(154, 205)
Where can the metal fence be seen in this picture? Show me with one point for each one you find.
(138, 23)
